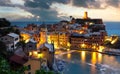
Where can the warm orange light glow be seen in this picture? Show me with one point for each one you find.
(83, 45)
(43, 37)
(56, 46)
(83, 56)
(49, 41)
(69, 56)
(60, 42)
(94, 59)
(68, 44)
(58, 39)
(26, 41)
(108, 38)
(25, 37)
(114, 41)
(85, 15)
(94, 47)
(81, 31)
(35, 53)
(30, 53)
(68, 49)
(58, 52)
(111, 39)
(40, 55)
(99, 57)
(101, 48)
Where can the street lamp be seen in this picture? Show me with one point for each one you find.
(39, 55)
(83, 45)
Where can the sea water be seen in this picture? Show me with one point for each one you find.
(112, 28)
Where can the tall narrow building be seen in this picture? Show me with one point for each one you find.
(85, 15)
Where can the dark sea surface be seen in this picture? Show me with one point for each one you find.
(111, 27)
(83, 62)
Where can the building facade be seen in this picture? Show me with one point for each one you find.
(11, 41)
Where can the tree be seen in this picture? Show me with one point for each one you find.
(4, 22)
(6, 69)
(42, 71)
(6, 31)
(3, 48)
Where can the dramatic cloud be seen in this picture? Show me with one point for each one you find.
(79, 3)
(109, 13)
(43, 3)
(43, 9)
(54, 9)
(115, 3)
(15, 13)
(17, 2)
(4, 2)
(44, 14)
(96, 3)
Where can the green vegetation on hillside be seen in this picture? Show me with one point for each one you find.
(6, 69)
(5, 31)
(42, 71)
(4, 22)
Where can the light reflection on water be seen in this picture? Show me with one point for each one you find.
(93, 61)
(99, 57)
(84, 62)
(83, 56)
(69, 56)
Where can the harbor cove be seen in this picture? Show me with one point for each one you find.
(82, 61)
(85, 62)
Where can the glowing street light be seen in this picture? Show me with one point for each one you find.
(83, 45)
(39, 55)
(101, 48)
(68, 44)
(30, 53)
(68, 49)
(94, 47)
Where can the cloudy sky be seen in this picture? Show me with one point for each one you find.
(49, 10)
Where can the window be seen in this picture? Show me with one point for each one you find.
(44, 50)
(29, 72)
(12, 46)
(16, 45)
(1, 38)
(29, 67)
(30, 45)
(16, 39)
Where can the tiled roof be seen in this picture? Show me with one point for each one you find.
(18, 59)
(13, 35)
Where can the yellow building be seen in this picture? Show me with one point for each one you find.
(59, 39)
(85, 15)
(26, 37)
